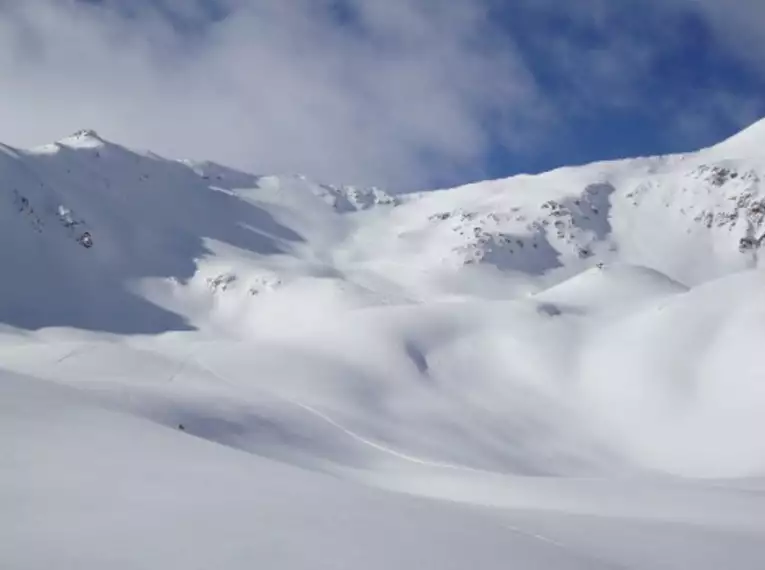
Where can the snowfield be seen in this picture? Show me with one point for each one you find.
(204, 368)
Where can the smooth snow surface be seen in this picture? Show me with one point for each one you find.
(204, 368)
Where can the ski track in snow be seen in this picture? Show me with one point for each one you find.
(593, 561)
(346, 431)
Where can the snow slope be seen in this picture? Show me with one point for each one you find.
(113, 490)
(554, 371)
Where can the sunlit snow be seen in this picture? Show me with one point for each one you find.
(203, 368)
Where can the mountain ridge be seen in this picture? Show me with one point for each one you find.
(692, 217)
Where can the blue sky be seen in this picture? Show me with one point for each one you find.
(674, 86)
(402, 93)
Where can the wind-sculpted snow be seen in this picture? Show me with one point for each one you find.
(235, 370)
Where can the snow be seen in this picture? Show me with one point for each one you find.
(558, 371)
(86, 138)
(746, 144)
(114, 491)
(612, 288)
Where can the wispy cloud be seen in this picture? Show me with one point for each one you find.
(737, 25)
(366, 91)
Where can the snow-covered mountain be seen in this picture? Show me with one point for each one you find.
(692, 217)
(556, 369)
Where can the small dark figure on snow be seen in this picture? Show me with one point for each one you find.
(181, 427)
(86, 240)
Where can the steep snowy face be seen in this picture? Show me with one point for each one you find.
(698, 223)
(87, 223)
(694, 217)
(526, 226)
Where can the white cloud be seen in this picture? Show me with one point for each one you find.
(737, 25)
(276, 86)
(406, 93)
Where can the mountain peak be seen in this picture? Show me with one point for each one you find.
(83, 138)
